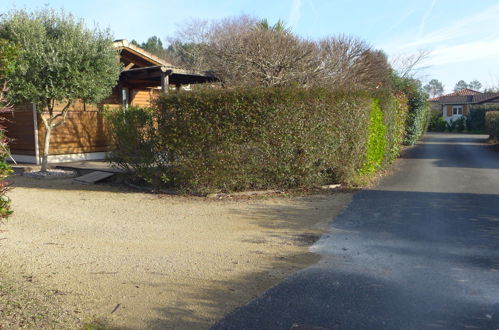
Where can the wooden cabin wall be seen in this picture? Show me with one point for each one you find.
(83, 132)
(143, 97)
(20, 129)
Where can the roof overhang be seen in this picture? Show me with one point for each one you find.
(152, 76)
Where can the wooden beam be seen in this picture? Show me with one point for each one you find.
(164, 82)
(129, 66)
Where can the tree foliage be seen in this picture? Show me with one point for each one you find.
(154, 45)
(475, 85)
(434, 88)
(60, 60)
(7, 62)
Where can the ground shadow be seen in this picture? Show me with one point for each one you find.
(394, 260)
(450, 151)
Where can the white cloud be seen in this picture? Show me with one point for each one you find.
(425, 18)
(402, 19)
(294, 15)
(465, 52)
(475, 27)
(312, 7)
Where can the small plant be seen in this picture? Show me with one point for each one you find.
(437, 122)
(136, 144)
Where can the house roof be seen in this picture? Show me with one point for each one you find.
(466, 96)
(141, 68)
(132, 50)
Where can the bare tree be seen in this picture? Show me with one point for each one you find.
(348, 62)
(188, 45)
(260, 57)
(410, 66)
(251, 52)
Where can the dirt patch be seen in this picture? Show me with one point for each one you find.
(136, 260)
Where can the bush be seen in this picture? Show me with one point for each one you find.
(437, 122)
(418, 107)
(492, 125)
(136, 144)
(476, 118)
(5, 171)
(259, 138)
(376, 145)
(457, 125)
(263, 138)
(395, 111)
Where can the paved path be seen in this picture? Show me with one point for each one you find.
(419, 251)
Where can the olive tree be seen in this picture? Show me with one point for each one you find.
(60, 60)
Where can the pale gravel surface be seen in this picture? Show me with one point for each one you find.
(160, 262)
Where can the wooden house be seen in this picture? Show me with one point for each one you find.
(84, 135)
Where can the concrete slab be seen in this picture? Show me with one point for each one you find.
(93, 177)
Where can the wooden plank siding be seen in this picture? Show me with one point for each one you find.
(20, 128)
(83, 132)
(143, 97)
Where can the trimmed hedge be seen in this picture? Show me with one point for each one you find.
(272, 138)
(492, 124)
(476, 119)
(418, 117)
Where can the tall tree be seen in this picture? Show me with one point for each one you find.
(434, 88)
(475, 85)
(460, 85)
(60, 61)
(7, 56)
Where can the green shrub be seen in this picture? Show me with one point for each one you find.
(476, 118)
(437, 122)
(418, 107)
(492, 124)
(5, 171)
(239, 139)
(461, 124)
(456, 125)
(395, 111)
(376, 145)
(259, 138)
(136, 148)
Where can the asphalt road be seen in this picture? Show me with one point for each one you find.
(419, 251)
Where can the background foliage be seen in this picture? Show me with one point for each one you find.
(476, 118)
(492, 124)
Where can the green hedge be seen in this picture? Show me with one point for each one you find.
(238, 139)
(418, 117)
(136, 144)
(476, 119)
(492, 124)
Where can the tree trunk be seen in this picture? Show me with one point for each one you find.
(46, 146)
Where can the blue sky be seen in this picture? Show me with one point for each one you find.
(461, 36)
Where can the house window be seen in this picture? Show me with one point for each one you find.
(457, 110)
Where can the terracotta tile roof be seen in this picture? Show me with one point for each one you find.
(462, 92)
(466, 96)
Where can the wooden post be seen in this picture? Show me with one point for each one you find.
(164, 82)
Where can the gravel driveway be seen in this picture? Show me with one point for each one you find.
(134, 260)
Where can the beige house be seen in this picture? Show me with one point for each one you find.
(458, 104)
